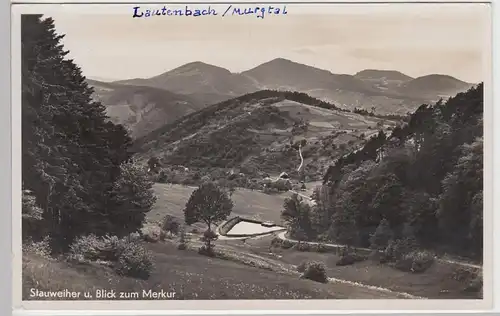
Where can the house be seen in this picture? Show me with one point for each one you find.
(284, 175)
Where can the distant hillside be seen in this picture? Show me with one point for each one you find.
(197, 84)
(386, 80)
(202, 81)
(344, 90)
(434, 86)
(284, 74)
(142, 109)
(382, 74)
(258, 132)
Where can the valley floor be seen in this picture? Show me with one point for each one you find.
(245, 269)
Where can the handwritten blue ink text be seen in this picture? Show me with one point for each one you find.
(258, 11)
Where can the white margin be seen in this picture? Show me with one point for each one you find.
(232, 307)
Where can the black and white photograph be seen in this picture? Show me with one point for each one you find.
(252, 151)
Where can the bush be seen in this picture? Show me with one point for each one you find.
(321, 248)
(396, 249)
(162, 177)
(41, 248)
(475, 285)
(134, 237)
(276, 242)
(315, 271)
(152, 233)
(286, 244)
(206, 251)
(170, 224)
(107, 248)
(302, 266)
(182, 246)
(270, 190)
(86, 248)
(348, 257)
(471, 277)
(462, 274)
(302, 246)
(112, 247)
(415, 261)
(208, 238)
(135, 261)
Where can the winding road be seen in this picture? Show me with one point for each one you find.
(282, 236)
(301, 158)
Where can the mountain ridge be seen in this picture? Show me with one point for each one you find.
(202, 84)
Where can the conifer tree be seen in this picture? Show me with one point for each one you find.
(72, 153)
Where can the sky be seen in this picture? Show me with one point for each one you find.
(107, 43)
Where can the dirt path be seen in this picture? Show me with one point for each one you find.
(272, 262)
(283, 236)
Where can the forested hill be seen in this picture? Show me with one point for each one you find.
(464, 109)
(424, 181)
(76, 173)
(260, 133)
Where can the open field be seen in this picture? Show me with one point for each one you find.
(247, 203)
(190, 275)
(437, 282)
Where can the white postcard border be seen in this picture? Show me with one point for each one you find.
(245, 306)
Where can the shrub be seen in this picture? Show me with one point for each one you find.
(112, 247)
(276, 242)
(348, 257)
(302, 246)
(208, 238)
(462, 274)
(475, 285)
(270, 190)
(471, 277)
(170, 224)
(134, 237)
(151, 233)
(302, 266)
(415, 261)
(315, 271)
(162, 177)
(321, 248)
(86, 248)
(135, 261)
(206, 251)
(182, 246)
(41, 248)
(106, 248)
(396, 249)
(287, 244)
